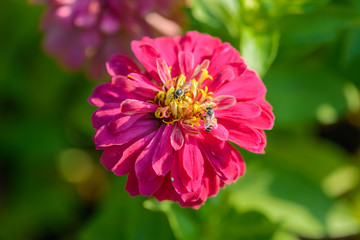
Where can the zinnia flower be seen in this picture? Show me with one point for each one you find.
(170, 127)
(88, 32)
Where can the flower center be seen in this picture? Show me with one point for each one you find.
(182, 99)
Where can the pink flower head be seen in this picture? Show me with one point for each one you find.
(169, 127)
(80, 32)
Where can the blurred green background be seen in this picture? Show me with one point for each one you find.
(306, 186)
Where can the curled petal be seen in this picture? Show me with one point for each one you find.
(105, 114)
(121, 65)
(186, 63)
(147, 55)
(177, 138)
(224, 101)
(132, 106)
(188, 129)
(204, 65)
(163, 70)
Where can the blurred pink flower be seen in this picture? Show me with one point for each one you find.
(88, 32)
(169, 127)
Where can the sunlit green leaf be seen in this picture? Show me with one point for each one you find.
(296, 92)
(259, 49)
(285, 187)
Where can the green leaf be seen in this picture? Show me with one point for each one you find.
(215, 220)
(350, 55)
(259, 49)
(285, 185)
(302, 34)
(298, 93)
(123, 217)
(181, 220)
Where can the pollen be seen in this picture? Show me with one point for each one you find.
(181, 98)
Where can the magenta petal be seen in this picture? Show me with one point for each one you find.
(104, 114)
(112, 155)
(130, 154)
(177, 138)
(106, 93)
(187, 41)
(121, 65)
(211, 182)
(168, 49)
(246, 87)
(217, 152)
(143, 165)
(124, 122)
(204, 46)
(220, 133)
(176, 175)
(163, 70)
(147, 55)
(244, 136)
(135, 86)
(149, 188)
(193, 163)
(241, 110)
(132, 106)
(163, 155)
(262, 144)
(188, 129)
(141, 82)
(149, 182)
(166, 190)
(224, 101)
(226, 75)
(186, 63)
(191, 196)
(223, 55)
(198, 70)
(239, 162)
(264, 121)
(132, 185)
(105, 138)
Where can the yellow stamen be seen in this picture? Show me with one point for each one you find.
(188, 105)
